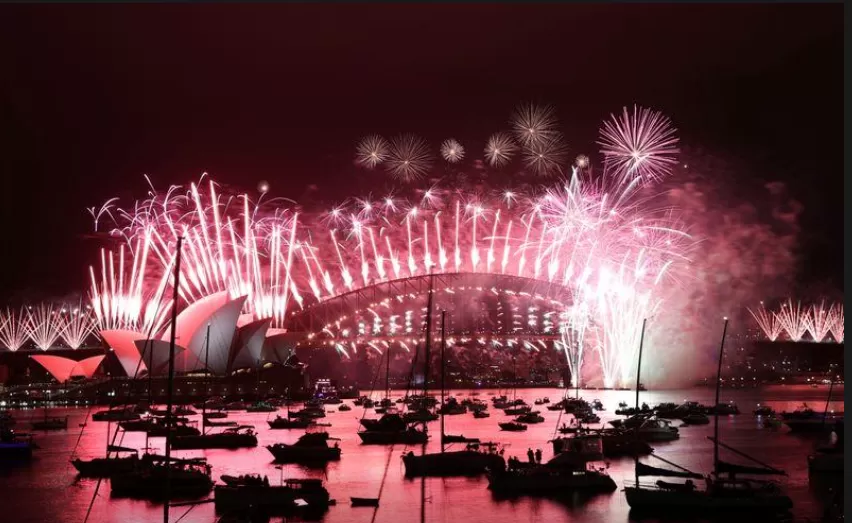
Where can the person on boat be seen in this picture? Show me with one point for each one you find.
(538, 456)
(645, 406)
(530, 456)
(265, 481)
(513, 463)
(336, 445)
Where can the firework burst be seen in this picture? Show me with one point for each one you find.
(372, 151)
(500, 149)
(545, 156)
(43, 326)
(13, 329)
(409, 158)
(452, 151)
(641, 144)
(76, 325)
(768, 322)
(534, 124)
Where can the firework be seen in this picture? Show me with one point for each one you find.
(641, 144)
(409, 158)
(372, 151)
(499, 149)
(768, 322)
(545, 156)
(837, 324)
(76, 325)
(13, 329)
(582, 161)
(534, 124)
(818, 321)
(43, 325)
(452, 151)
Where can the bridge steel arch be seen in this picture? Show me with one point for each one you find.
(315, 317)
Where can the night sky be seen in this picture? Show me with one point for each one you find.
(93, 97)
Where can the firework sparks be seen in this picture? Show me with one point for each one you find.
(534, 124)
(452, 151)
(545, 156)
(372, 151)
(500, 149)
(76, 325)
(13, 329)
(43, 326)
(409, 158)
(641, 144)
(768, 322)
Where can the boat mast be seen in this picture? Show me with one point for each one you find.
(171, 379)
(716, 407)
(387, 374)
(206, 381)
(426, 391)
(443, 347)
(638, 372)
(639, 365)
(828, 400)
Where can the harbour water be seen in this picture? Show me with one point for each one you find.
(47, 489)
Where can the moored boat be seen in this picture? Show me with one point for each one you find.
(310, 448)
(229, 438)
(290, 423)
(292, 496)
(108, 466)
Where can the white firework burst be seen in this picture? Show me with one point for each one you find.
(546, 156)
(499, 149)
(534, 124)
(452, 150)
(639, 145)
(372, 151)
(409, 158)
(582, 161)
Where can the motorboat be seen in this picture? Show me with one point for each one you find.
(230, 438)
(261, 406)
(290, 423)
(530, 417)
(293, 495)
(344, 407)
(512, 426)
(115, 415)
(409, 436)
(312, 447)
(549, 479)
(153, 479)
(244, 479)
(419, 415)
(695, 419)
(215, 415)
(468, 462)
(479, 414)
(656, 429)
(516, 410)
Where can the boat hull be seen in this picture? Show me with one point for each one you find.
(457, 463)
(389, 438)
(213, 441)
(548, 482)
(297, 454)
(699, 502)
(268, 500)
(104, 467)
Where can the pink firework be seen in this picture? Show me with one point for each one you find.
(820, 322)
(44, 325)
(77, 325)
(13, 329)
(641, 144)
(795, 319)
(837, 322)
(768, 322)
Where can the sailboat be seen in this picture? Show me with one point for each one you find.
(229, 438)
(723, 491)
(108, 466)
(290, 422)
(163, 477)
(467, 462)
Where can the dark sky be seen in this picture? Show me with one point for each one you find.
(93, 97)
